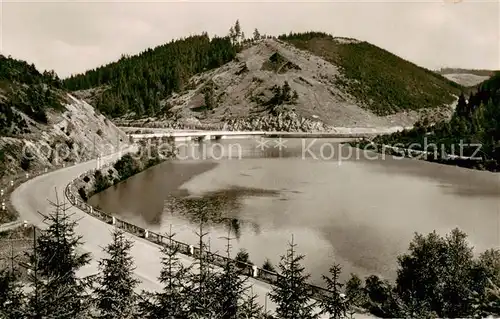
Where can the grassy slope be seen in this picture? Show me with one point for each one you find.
(384, 82)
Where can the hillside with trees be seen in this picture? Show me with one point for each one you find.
(384, 82)
(139, 83)
(475, 125)
(24, 89)
(224, 80)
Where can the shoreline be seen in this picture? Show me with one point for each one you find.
(170, 175)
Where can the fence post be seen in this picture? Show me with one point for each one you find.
(27, 175)
(25, 223)
(146, 233)
(11, 183)
(113, 220)
(191, 250)
(1, 192)
(255, 271)
(3, 205)
(91, 210)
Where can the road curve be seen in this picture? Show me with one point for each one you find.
(33, 196)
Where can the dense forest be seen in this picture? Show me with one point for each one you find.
(456, 285)
(25, 89)
(138, 83)
(384, 82)
(475, 123)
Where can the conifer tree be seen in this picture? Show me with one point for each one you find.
(237, 29)
(172, 300)
(461, 108)
(203, 286)
(230, 286)
(11, 295)
(256, 34)
(232, 35)
(291, 292)
(334, 304)
(354, 291)
(115, 294)
(57, 291)
(250, 308)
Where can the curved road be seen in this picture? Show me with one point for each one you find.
(33, 196)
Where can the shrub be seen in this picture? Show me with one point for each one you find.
(101, 182)
(268, 265)
(25, 163)
(242, 258)
(82, 193)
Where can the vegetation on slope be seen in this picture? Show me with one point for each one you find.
(138, 83)
(384, 82)
(128, 165)
(24, 89)
(475, 123)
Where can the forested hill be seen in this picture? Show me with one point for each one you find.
(354, 72)
(384, 82)
(139, 82)
(25, 89)
(476, 121)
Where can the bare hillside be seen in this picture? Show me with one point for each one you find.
(248, 93)
(466, 79)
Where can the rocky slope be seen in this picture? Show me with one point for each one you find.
(272, 85)
(41, 125)
(75, 133)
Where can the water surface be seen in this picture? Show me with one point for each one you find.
(359, 212)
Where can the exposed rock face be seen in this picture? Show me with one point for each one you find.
(77, 134)
(287, 121)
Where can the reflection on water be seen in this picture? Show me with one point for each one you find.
(216, 207)
(356, 210)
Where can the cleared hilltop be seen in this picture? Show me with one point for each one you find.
(36, 111)
(466, 77)
(298, 82)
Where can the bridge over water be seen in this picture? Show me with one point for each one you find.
(217, 135)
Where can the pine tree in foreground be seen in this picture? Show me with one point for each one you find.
(172, 301)
(291, 293)
(334, 304)
(11, 295)
(114, 295)
(250, 308)
(230, 286)
(57, 291)
(204, 292)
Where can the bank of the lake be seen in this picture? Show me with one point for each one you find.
(153, 185)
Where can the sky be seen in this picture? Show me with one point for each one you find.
(73, 36)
